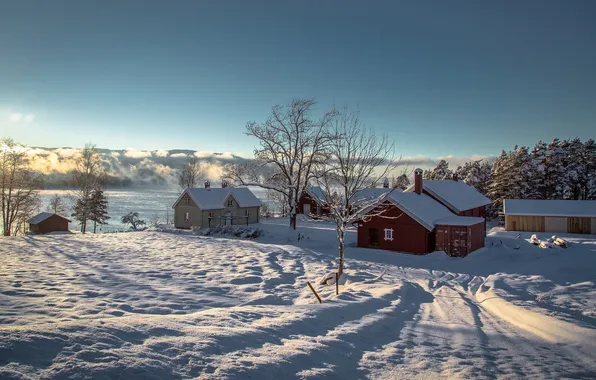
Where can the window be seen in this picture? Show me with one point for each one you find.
(187, 200)
(246, 213)
(212, 215)
(186, 217)
(230, 202)
(389, 234)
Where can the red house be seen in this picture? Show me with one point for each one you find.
(457, 196)
(312, 202)
(417, 222)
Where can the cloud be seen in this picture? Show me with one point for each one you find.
(67, 152)
(161, 153)
(202, 154)
(455, 161)
(133, 153)
(17, 117)
(133, 167)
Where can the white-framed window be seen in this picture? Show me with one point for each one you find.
(186, 216)
(211, 214)
(230, 202)
(187, 200)
(246, 213)
(389, 234)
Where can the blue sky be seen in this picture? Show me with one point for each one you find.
(440, 77)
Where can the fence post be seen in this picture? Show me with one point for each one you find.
(314, 291)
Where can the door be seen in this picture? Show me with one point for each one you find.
(306, 208)
(374, 237)
(555, 224)
(228, 218)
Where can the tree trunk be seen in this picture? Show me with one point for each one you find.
(94, 226)
(340, 235)
(293, 220)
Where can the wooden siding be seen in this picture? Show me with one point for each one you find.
(459, 240)
(200, 218)
(315, 207)
(524, 223)
(579, 225)
(408, 235)
(52, 224)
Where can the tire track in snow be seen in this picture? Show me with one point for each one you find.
(316, 345)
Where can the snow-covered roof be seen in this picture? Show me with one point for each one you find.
(316, 193)
(41, 217)
(541, 207)
(372, 193)
(460, 221)
(427, 211)
(214, 198)
(457, 195)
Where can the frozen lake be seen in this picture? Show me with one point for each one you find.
(147, 202)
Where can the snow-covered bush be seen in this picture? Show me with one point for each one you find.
(246, 232)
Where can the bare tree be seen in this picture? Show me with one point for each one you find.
(358, 161)
(191, 174)
(291, 142)
(28, 208)
(87, 177)
(57, 205)
(18, 185)
(154, 220)
(132, 218)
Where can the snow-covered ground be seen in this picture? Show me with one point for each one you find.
(162, 305)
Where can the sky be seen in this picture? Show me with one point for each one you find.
(441, 78)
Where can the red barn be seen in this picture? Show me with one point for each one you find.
(312, 202)
(46, 222)
(416, 222)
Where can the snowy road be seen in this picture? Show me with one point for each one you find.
(158, 305)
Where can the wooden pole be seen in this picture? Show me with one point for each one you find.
(336, 283)
(314, 291)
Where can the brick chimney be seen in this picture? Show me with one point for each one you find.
(418, 181)
(455, 177)
(386, 183)
(207, 184)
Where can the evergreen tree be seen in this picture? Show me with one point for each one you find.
(441, 171)
(401, 182)
(588, 190)
(98, 208)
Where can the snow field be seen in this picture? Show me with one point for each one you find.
(156, 305)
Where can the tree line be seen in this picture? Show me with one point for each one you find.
(561, 169)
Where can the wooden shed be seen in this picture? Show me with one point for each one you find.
(563, 216)
(459, 239)
(46, 222)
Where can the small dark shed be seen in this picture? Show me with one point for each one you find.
(46, 222)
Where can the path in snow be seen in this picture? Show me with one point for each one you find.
(158, 305)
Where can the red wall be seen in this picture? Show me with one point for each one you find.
(408, 235)
(306, 199)
(53, 223)
(478, 233)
